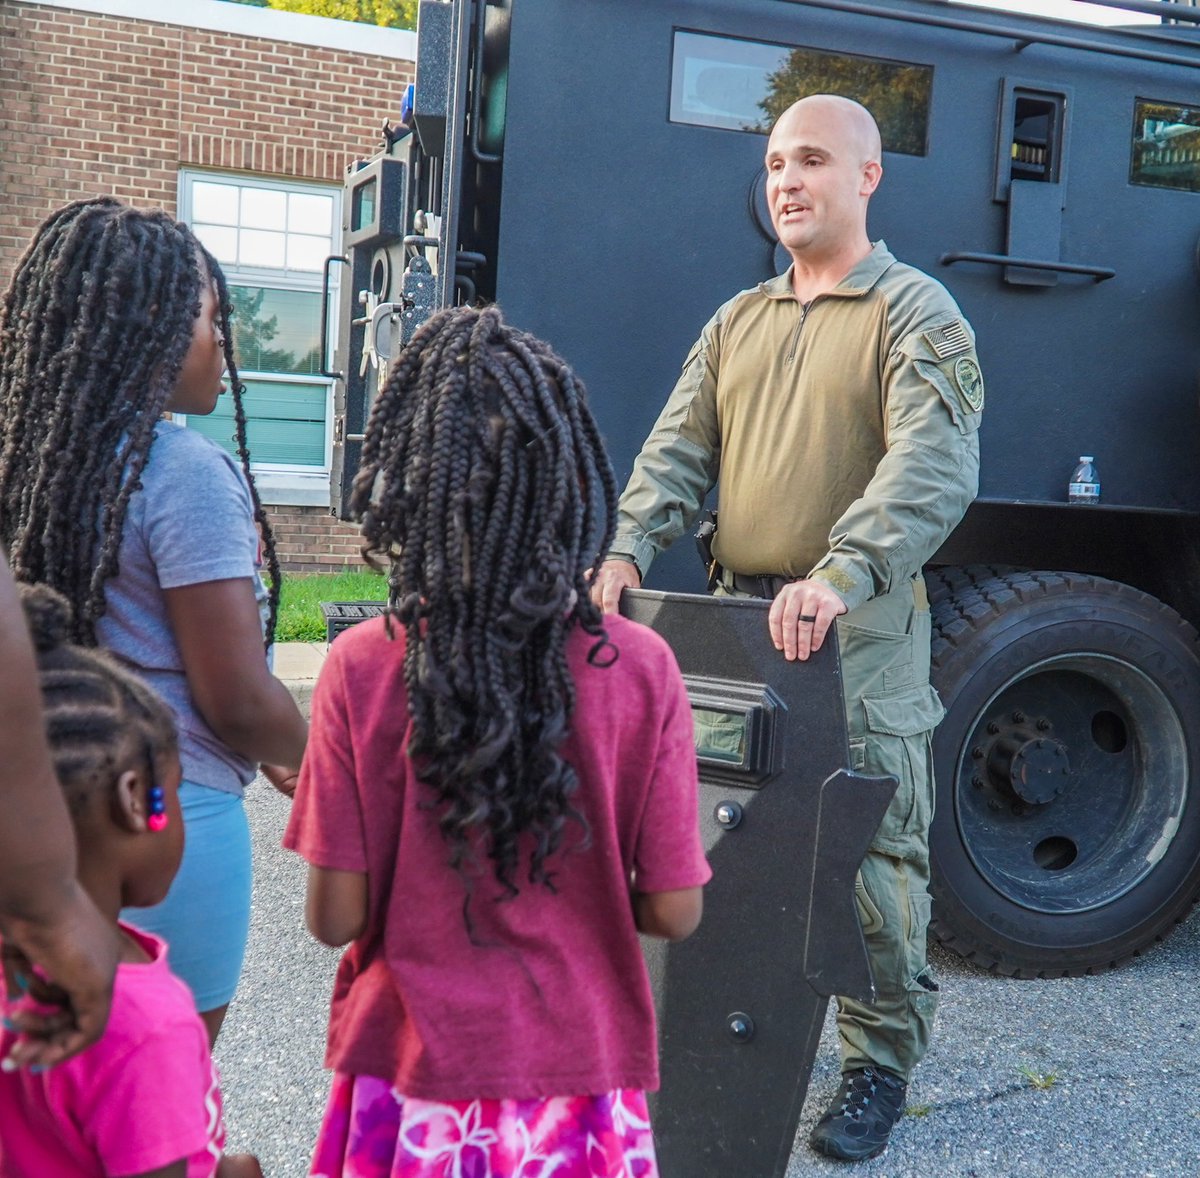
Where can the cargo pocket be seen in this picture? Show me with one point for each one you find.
(898, 745)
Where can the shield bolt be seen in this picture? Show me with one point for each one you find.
(741, 1026)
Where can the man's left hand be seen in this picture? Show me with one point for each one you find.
(800, 617)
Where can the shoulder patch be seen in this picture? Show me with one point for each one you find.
(970, 381)
(948, 340)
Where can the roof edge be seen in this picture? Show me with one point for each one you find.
(243, 20)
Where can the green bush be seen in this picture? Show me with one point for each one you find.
(300, 618)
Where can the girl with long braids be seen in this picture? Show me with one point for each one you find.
(114, 316)
(499, 789)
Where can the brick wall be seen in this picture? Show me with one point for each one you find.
(310, 540)
(100, 104)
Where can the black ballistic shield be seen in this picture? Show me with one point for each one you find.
(785, 826)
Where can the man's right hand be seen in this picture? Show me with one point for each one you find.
(614, 577)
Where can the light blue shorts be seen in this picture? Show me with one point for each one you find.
(205, 918)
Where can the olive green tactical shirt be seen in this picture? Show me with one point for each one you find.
(844, 432)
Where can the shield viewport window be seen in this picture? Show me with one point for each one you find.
(721, 737)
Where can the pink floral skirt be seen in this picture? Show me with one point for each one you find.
(370, 1131)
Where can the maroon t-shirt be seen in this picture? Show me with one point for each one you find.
(553, 998)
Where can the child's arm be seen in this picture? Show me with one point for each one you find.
(336, 909)
(671, 915)
(219, 633)
(45, 916)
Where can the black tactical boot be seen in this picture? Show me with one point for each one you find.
(867, 1105)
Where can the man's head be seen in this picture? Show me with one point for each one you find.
(822, 167)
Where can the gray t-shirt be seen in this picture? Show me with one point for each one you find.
(191, 522)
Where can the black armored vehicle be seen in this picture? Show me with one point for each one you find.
(596, 168)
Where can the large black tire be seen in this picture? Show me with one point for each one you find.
(1067, 835)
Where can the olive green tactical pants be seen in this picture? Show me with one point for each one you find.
(891, 711)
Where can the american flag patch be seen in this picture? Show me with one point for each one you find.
(949, 340)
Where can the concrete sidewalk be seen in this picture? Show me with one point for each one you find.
(298, 664)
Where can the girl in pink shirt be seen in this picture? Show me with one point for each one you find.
(144, 1099)
(499, 790)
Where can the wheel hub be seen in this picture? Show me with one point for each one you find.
(1034, 768)
(1075, 774)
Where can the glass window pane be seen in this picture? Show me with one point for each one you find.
(310, 213)
(277, 330)
(745, 85)
(219, 241)
(264, 208)
(215, 203)
(306, 253)
(1166, 146)
(720, 736)
(260, 248)
(286, 423)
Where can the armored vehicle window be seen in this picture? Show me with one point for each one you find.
(1036, 136)
(1166, 146)
(741, 85)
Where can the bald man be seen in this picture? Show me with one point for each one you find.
(839, 405)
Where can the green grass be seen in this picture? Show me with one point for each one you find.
(1040, 1080)
(918, 1110)
(300, 617)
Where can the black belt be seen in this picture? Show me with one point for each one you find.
(756, 584)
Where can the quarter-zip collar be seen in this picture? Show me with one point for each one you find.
(861, 278)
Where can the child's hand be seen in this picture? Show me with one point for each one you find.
(282, 778)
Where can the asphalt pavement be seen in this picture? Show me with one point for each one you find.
(1075, 1076)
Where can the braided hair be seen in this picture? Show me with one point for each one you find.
(485, 485)
(100, 719)
(94, 329)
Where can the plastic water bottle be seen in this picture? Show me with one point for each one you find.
(1085, 482)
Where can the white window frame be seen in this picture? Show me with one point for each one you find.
(281, 483)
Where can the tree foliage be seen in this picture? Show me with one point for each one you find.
(897, 95)
(395, 14)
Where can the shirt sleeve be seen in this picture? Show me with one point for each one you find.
(169, 1086)
(669, 853)
(326, 826)
(678, 463)
(199, 519)
(930, 472)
